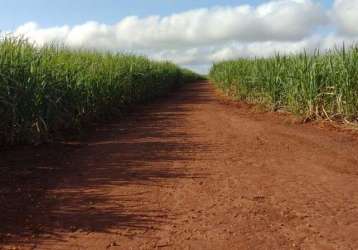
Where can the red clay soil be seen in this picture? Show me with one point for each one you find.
(190, 171)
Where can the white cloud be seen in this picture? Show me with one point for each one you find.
(203, 56)
(266, 49)
(198, 37)
(33, 32)
(286, 20)
(345, 14)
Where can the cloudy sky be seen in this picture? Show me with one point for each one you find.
(191, 33)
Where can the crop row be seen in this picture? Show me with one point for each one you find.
(47, 90)
(313, 85)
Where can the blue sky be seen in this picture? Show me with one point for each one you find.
(192, 33)
(59, 12)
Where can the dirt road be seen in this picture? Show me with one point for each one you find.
(190, 171)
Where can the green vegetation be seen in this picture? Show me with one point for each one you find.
(312, 85)
(47, 90)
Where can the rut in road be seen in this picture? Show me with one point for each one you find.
(192, 171)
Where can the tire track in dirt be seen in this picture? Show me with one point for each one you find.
(190, 171)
